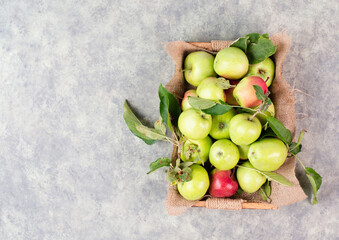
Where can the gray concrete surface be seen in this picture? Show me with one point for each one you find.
(69, 167)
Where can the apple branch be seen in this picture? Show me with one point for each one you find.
(265, 101)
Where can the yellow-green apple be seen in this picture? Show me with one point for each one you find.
(222, 183)
(229, 94)
(198, 66)
(231, 63)
(270, 112)
(194, 124)
(209, 89)
(220, 125)
(249, 179)
(264, 69)
(243, 151)
(196, 150)
(224, 154)
(268, 154)
(244, 92)
(184, 103)
(244, 130)
(197, 187)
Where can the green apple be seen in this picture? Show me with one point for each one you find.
(221, 123)
(197, 150)
(243, 130)
(197, 187)
(231, 63)
(224, 154)
(270, 112)
(209, 89)
(184, 103)
(249, 180)
(194, 124)
(268, 154)
(245, 94)
(198, 66)
(264, 69)
(243, 151)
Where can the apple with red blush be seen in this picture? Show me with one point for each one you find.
(222, 183)
(245, 94)
(230, 99)
(184, 103)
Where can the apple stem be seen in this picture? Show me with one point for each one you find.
(298, 160)
(167, 139)
(251, 118)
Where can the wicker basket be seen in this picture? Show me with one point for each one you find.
(283, 99)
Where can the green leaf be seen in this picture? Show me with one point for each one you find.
(245, 110)
(265, 191)
(294, 148)
(171, 177)
(239, 191)
(253, 37)
(259, 51)
(177, 165)
(200, 103)
(184, 176)
(280, 130)
(209, 106)
(218, 109)
(267, 188)
(266, 105)
(265, 36)
(315, 180)
(178, 133)
(259, 92)
(256, 47)
(262, 194)
(186, 164)
(160, 126)
(150, 132)
(159, 163)
(301, 135)
(241, 43)
(223, 83)
(272, 176)
(169, 107)
(268, 133)
(133, 122)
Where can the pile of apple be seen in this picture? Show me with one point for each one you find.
(228, 141)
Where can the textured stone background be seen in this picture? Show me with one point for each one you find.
(70, 169)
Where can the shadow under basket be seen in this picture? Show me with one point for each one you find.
(283, 100)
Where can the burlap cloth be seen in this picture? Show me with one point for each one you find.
(283, 100)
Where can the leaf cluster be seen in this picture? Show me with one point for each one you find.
(256, 47)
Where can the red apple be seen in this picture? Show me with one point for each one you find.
(184, 103)
(222, 184)
(244, 92)
(229, 94)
